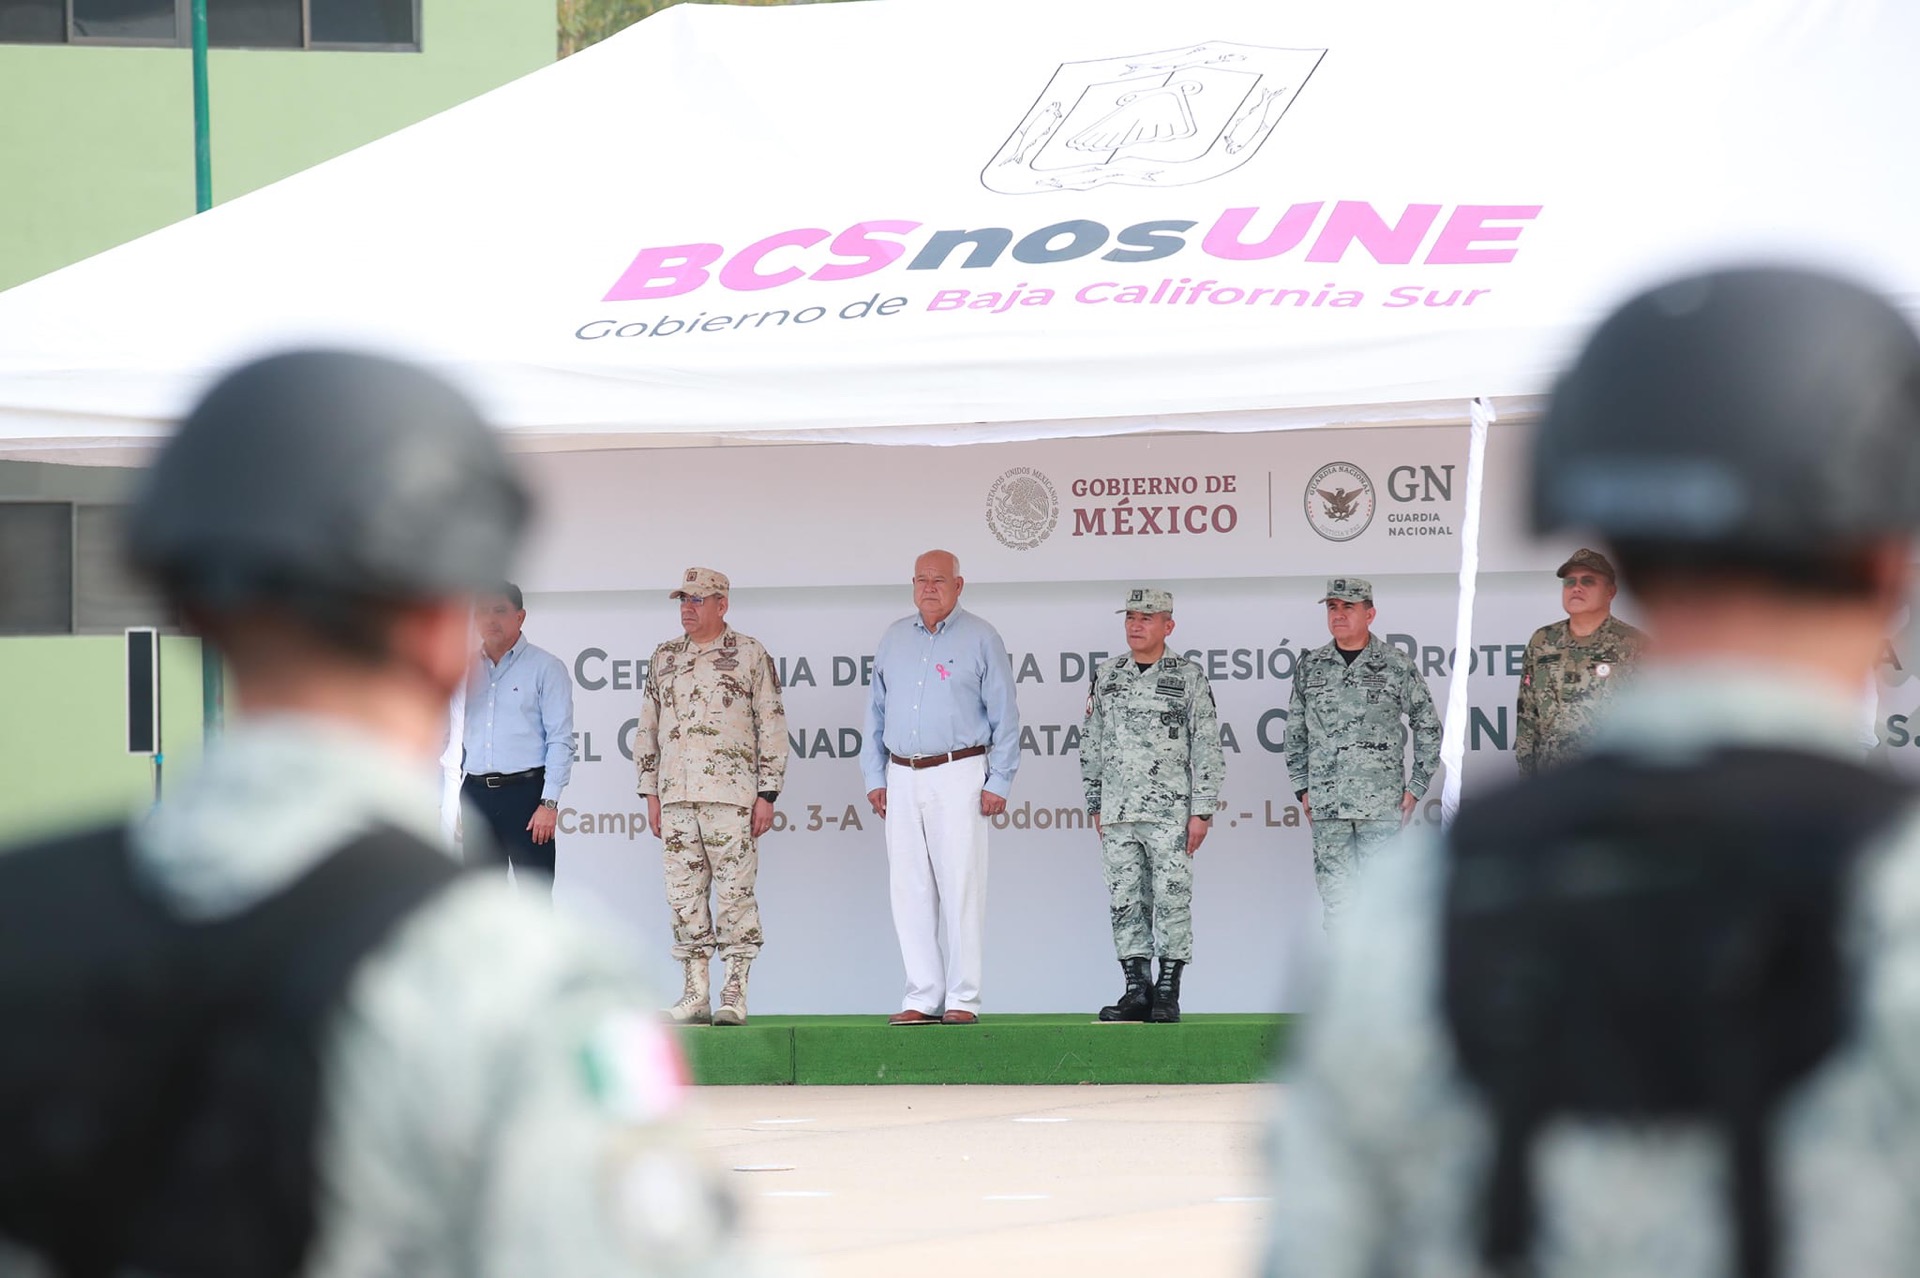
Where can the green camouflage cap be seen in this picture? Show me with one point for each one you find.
(1351, 589)
(700, 581)
(1145, 599)
(1585, 558)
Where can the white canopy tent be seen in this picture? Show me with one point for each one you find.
(956, 221)
(1218, 214)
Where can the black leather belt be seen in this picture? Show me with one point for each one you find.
(494, 780)
(935, 760)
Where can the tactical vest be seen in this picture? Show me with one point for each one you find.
(1641, 943)
(160, 1080)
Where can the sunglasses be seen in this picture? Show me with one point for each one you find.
(1588, 581)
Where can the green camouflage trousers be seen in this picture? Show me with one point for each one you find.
(1339, 850)
(1150, 885)
(711, 844)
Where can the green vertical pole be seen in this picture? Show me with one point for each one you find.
(212, 673)
(202, 142)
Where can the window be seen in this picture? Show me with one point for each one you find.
(36, 568)
(62, 573)
(231, 24)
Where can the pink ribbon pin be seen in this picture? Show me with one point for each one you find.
(944, 672)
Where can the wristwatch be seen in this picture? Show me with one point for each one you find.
(554, 804)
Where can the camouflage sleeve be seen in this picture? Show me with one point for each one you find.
(1526, 714)
(1636, 644)
(594, 1166)
(770, 728)
(1424, 720)
(536, 1122)
(1361, 1079)
(1093, 746)
(646, 740)
(1205, 758)
(1297, 735)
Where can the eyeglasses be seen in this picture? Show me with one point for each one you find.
(697, 600)
(1588, 581)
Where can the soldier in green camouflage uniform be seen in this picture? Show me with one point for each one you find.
(1346, 745)
(1151, 762)
(1573, 667)
(712, 751)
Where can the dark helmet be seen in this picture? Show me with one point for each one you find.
(316, 476)
(1761, 411)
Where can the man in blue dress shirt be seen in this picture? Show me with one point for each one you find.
(942, 745)
(518, 739)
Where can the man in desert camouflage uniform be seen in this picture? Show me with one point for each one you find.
(1573, 667)
(712, 750)
(1151, 763)
(1346, 745)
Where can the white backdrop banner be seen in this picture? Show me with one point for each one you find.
(819, 542)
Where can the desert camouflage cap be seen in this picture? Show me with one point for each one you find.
(1351, 589)
(1586, 558)
(701, 582)
(1147, 599)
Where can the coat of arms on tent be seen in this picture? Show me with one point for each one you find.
(1171, 118)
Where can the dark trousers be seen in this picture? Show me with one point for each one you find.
(507, 809)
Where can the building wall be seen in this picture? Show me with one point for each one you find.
(63, 758)
(98, 148)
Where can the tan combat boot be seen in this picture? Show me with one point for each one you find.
(692, 1007)
(733, 994)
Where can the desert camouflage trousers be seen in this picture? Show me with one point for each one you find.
(1150, 886)
(710, 845)
(1340, 848)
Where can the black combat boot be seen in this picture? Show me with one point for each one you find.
(1137, 1000)
(1166, 993)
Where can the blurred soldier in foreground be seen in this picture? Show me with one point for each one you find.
(273, 1029)
(712, 752)
(1347, 745)
(1653, 1012)
(1573, 667)
(1151, 763)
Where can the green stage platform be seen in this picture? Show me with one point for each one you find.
(817, 1050)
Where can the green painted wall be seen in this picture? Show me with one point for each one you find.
(63, 715)
(96, 148)
(97, 144)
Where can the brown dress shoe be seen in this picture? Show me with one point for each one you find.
(960, 1018)
(912, 1017)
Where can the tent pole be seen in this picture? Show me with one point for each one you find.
(1453, 732)
(212, 673)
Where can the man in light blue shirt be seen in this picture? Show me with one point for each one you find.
(941, 747)
(517, 739)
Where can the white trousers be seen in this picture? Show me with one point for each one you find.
(937, 870)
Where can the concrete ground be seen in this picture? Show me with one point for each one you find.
(877, 1182)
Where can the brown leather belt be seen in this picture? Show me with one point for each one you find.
(935, 760)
